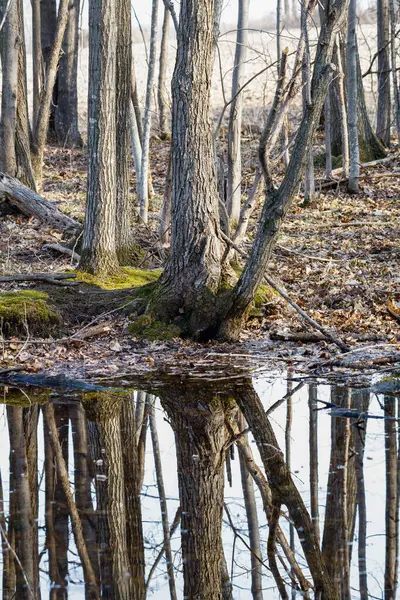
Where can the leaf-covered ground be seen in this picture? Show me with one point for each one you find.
(338, 258)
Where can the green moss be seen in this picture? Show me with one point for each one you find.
(26, 309)
(127, 278)
(263, 295)
(145, 327)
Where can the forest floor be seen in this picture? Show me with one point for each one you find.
(338, 258)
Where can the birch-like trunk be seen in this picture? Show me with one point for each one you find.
(99, 244)
(162, 93)
(351, 62)
(144, 175)
(235, 118)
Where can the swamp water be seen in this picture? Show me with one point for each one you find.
(83, 471)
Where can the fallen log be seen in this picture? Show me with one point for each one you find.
(32, 204)
(37, 277)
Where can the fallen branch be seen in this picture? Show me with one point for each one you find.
(37, 277)
(63, 250)
(306, 337)
(327, 334)
(32, 204)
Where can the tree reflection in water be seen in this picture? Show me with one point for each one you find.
(94, 505)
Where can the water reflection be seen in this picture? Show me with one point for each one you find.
(202, 493)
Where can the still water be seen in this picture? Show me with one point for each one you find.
(231, 490)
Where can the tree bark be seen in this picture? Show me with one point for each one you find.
(193, 270)
(162, 95)
(99, 245)
(36, 59)
(23, 132)
(383, 119)
(123, 116)
(144, 175)
(235, 117)
(43, 118)
(10, 50)
(66, 111)
(351, 59)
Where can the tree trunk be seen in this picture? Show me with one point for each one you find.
(393, 55)
(23, 524)
(48, 20)
(283, 488)
(193, 270)
(278, 200)
(201, 437)
(123, 116)
(391, 523)
(36, 59)
(252, 522)
(235, 118)
(23, 132)
(83, 482)
(351, 59)
(383, 119)
(144, 175)
(162, 95)
(42, 124)
(66, 110)
(336, 537)
(99, 244)
(9, 55)
(163, 499)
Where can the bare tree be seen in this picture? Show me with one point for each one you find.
(66, 110)
(162, 94)
(144, 173)
(9, 55)
(351, 56)
(235, 117)
(163, 500)
(99, 245)
(123, 119)
(383, 119)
